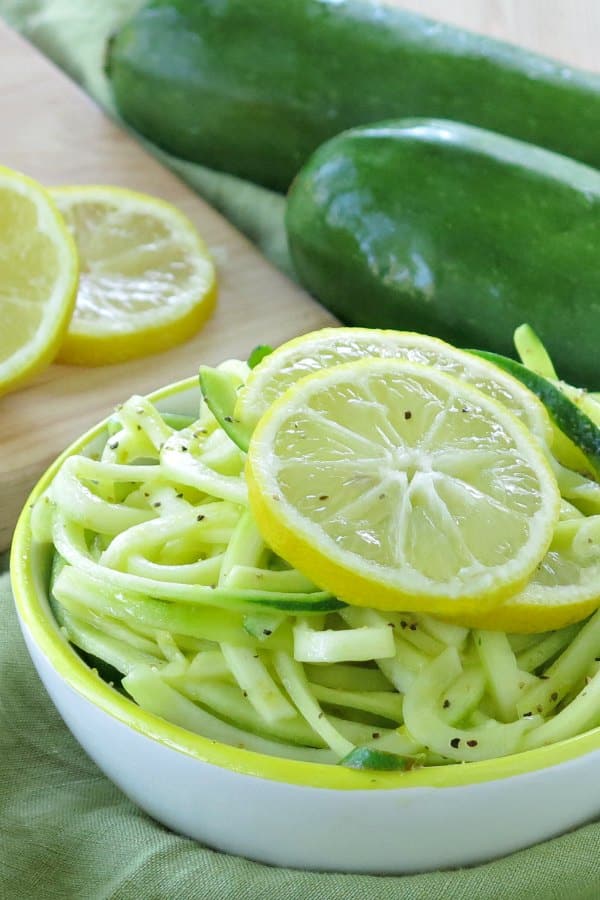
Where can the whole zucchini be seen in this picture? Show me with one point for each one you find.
(252, 88)
(454, 231)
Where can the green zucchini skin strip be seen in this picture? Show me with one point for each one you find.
(571, 420)
(376, 760)
(220, 395)
(258, 354)
(196, 595)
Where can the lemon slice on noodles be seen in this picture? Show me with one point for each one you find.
(38, 279)
(564, 587)
(396, 486)
(147, 282)
(334, 346)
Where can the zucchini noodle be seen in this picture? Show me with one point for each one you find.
(165, 585)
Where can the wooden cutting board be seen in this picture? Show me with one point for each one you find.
(53, 132)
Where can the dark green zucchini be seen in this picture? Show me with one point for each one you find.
(252, 88)
(456, 232)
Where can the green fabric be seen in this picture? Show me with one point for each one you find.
(66, 833)
(74, 33)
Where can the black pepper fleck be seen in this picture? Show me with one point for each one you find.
(554, 696)
(375, 735)
(455, 742)
(267, 631)
(407, 414)
(446, 704)
(200, 517)
(472, 743)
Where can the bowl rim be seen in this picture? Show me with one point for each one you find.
(34, 612)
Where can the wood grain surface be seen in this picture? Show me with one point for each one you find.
(53, 132)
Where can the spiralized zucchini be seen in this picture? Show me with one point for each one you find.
(165, 584)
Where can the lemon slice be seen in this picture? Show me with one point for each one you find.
(333, 346)
(147, 282)
(396, 486)
(38, 278)
(564, 588)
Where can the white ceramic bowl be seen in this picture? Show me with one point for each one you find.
(291, 813)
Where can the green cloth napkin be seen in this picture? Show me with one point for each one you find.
(66, 833)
